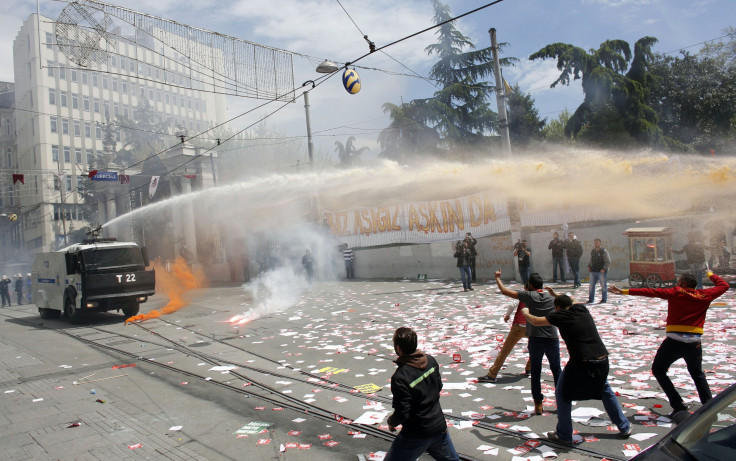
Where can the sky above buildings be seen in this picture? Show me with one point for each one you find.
(321, 29)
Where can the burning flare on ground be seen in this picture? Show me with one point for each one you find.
(176, 285)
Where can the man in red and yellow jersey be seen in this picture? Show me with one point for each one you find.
(686, 310)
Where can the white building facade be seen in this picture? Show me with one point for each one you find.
(61, 110)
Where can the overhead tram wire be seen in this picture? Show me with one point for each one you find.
(371, 46)
(426, 30)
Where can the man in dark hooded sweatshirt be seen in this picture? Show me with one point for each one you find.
(416, 386)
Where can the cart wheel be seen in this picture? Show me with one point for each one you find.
(653, 281)
(636, 280)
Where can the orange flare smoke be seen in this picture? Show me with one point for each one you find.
(176, 285)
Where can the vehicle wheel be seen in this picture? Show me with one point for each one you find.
(131, 310)
(70, 311)
(636, 280)
(653, 281)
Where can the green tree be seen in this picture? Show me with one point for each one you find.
(597, 70)
(614, 111)
(347, 154)
(695, 98)
(458, 115)
(525, 126)
(554, 130)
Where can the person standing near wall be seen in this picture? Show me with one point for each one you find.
(558, 251)
(472, 241)
(464, 257)
(598, 267)
(522, 252)
(348, 256)
(574, 250)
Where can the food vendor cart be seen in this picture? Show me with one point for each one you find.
(650, 257)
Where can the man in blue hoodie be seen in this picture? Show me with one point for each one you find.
(416, 386)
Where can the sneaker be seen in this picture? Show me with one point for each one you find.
(471, 289)
(627, 434)
(601, 302)
(486, 379)
(552, 435)
(538, 409)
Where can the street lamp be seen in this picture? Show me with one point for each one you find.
(325, 67)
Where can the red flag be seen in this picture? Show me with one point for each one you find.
(92, 173)
(18, 177)
(190, 176)
(124, 179)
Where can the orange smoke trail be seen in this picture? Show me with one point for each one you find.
(176, 285)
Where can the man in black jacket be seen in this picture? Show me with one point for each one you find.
(416, 386)
(574, 250)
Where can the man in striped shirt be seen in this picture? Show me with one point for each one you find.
(348, 256)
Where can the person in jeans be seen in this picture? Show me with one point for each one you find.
(585, 376)
(416, 386)
(522, 253)
(686, 310)
(464, 262)
(518, 331)
(543, 341)
(695, 254)
(558, 252)
(574, 250)
(598, 267)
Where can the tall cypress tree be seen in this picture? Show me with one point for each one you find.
(459, 114)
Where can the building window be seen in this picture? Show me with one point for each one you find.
(85, 103)
(52, 97)
(53, 125)
(96, 105)
(63, 99)
(125, 111)
(74, 75)
(166, 97)
(116, 108)
(114, 61)
(87, 129)
(49, 40)
(67, 155)
(98, 132)
(77, 128)
(62, 73)
(107, 110)
(95, 82)
(104, 83)
(64, 126)
(75, 101)
(84, 78)
(90, 159)
(55, 153)
(114, 85)
(78, 154)
(68, 184)
(50, 69)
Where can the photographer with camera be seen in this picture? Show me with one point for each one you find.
(464, 259)
(522, 252)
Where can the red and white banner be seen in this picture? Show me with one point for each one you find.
(419, 222)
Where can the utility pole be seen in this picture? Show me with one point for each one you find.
(310, 144)
(62, 185)
(512, 204)
(503, 120)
